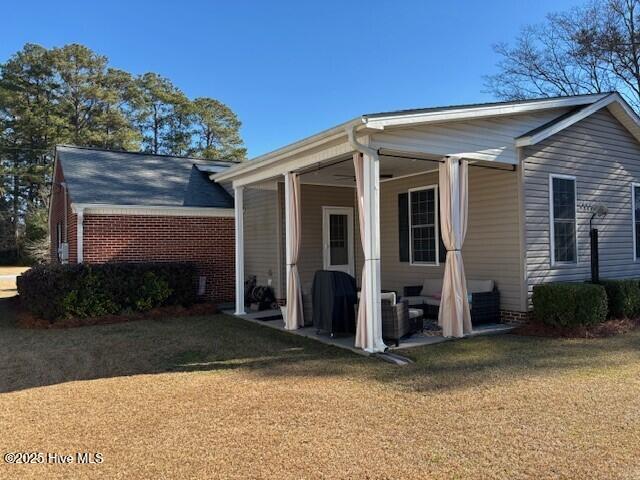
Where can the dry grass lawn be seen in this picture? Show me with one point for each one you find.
(218, 398)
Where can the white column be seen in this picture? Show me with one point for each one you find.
(372, 250)
(239, 218)
(80, 233)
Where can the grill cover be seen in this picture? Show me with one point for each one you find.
(334, 297)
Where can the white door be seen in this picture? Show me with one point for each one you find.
(337, 239)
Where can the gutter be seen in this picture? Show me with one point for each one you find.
(364, 149)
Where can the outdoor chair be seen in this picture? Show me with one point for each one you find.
(484, 299)
(398, 320)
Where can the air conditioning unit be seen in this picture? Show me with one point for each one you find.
(63, 253)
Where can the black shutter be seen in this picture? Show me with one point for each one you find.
(403, 226)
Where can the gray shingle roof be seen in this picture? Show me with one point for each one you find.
(124, 178)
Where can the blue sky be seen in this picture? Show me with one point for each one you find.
(291, 68)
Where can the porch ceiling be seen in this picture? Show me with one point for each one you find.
(342, 174)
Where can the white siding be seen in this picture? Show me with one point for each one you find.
(489, 139)
(605, 159)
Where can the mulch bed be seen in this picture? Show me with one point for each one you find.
(605, 329)
(25, 319)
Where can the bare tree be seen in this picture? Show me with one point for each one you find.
(588, 49)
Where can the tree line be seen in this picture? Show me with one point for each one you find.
(71, 95)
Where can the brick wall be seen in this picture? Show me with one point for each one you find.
(513, 317)
(206, 241)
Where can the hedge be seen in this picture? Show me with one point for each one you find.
(624, 298)
(53, 292)
(570, 304)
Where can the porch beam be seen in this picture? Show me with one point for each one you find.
(239, 214)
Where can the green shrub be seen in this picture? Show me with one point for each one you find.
(570, 304)
(62, 291)
(623, 298)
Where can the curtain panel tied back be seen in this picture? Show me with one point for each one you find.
(454, 316)
(294, 312)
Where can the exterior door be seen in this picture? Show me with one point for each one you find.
(337, 239)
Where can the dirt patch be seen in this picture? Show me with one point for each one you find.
(605, 329)
(26, 319)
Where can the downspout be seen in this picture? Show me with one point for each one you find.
(365, 149)
(80, 232)
(66, 213)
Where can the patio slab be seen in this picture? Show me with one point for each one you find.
(346, 341)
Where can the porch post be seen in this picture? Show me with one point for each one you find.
(371, 201)
(239, 217)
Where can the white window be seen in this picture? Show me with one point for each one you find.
(562, 215)
(635, 212)
(424, 226)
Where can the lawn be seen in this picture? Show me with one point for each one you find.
(213, 397)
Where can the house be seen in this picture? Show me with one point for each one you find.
(135, 207)
(533, 173)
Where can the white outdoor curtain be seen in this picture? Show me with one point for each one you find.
(454, 316)
(294, 315)
(361, 323)
(368, 336)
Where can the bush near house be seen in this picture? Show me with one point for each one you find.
(54, 292)
(570, 304)
(623, 298)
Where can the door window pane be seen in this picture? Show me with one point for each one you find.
(338, 238)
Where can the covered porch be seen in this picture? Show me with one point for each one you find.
(317, 208)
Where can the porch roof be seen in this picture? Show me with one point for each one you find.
(335, 139)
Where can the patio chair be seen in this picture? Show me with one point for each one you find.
(484, 299)
(398, 320)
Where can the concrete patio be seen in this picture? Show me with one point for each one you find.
(347, 341)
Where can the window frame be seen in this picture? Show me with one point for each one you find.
(433, 187)
(552, 233)
(634, 185)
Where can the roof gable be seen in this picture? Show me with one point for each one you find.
(618, 107)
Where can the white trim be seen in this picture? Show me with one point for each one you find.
(326, 260)
(467, 113)
(552, 245)
(292, 149)
(161, 211)
(580, 115)
(633, 217)
(437, 226)
(378, 122)
(239, 250)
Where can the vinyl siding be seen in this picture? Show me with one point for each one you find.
(487, 139)
(492, 246)
(605, 159)
(261, 231)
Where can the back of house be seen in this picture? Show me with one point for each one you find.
(538, 170)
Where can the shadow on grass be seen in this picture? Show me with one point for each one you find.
(34, 358)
